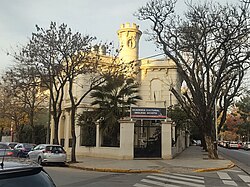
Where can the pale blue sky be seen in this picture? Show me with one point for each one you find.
(100, 18)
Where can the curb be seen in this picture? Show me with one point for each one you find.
(231, 165)
(114, 170)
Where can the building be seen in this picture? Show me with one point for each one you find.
(142, 135)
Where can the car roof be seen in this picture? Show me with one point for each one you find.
(49, 145)
(11, 165)
(10, 142)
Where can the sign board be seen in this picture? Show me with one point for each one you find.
(148, 113)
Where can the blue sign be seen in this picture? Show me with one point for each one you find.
(148, 113)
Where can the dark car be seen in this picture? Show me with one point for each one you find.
(22, 149)
(23, 173)
(11, 144)
(5, 150)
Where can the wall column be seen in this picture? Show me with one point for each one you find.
(97, 134)
(127, 138)
(166, 140)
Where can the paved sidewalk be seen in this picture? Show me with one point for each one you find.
(192, 159)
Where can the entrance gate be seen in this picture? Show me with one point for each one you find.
(147, 139)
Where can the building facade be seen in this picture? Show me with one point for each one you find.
(139, 137)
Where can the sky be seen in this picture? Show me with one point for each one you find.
(99, 18)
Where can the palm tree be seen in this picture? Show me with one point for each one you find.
(114, 99)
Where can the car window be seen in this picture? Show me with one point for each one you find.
(42, 147)
(18, 146)
(37, 147)
(36, 180)
(55, 149)
(27, 145)
(4, 146)
(12, 145)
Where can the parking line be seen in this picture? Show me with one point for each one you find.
(223, 175)
(245, 178)
(227, 182)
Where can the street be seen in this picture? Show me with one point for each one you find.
(237, 176)
(68, 177)
(239, 156)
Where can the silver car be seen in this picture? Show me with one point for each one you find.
(246, 146)
(47, 153)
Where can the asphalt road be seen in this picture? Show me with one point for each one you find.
(239, 156)
(238, 176)
(68, 177)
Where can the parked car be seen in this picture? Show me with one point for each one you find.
(47, 153)
(196, 142)
(240, 145)
(246, 146)
(233, 145)
(11, 144)
(22, 149)
(23, 173)
(5, 150)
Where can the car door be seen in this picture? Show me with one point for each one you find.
(33, 155)
(17, 149)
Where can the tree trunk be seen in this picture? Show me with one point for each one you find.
(211, 147)
(56, 124)
(1, 133)
(73, 134)
(33, 134)
(203, 143)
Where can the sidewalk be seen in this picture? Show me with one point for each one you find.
(192, 159)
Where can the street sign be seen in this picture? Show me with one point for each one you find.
(148, 113)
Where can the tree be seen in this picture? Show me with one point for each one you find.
(244, 110)
(180, 118)
(12, 107)
(231, 127)
(25, 86)
(61, 59)
(210, 47)
(113, 100)
(87, 121)
(43, 53)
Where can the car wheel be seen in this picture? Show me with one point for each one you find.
(39, 161)
(63, 164)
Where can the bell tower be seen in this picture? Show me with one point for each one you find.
(129, 35)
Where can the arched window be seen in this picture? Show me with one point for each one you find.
(155, 89)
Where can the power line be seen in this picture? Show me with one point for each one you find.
(152, 56)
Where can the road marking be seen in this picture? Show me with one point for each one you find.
(223, 175)
(181, 178)
(234, 171)
(158, 183)
(190, 176)
(227, 182)
(141, 185)
(245, 178)
(176, 181)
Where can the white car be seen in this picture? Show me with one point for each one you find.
(47, 153)
(246, 146)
